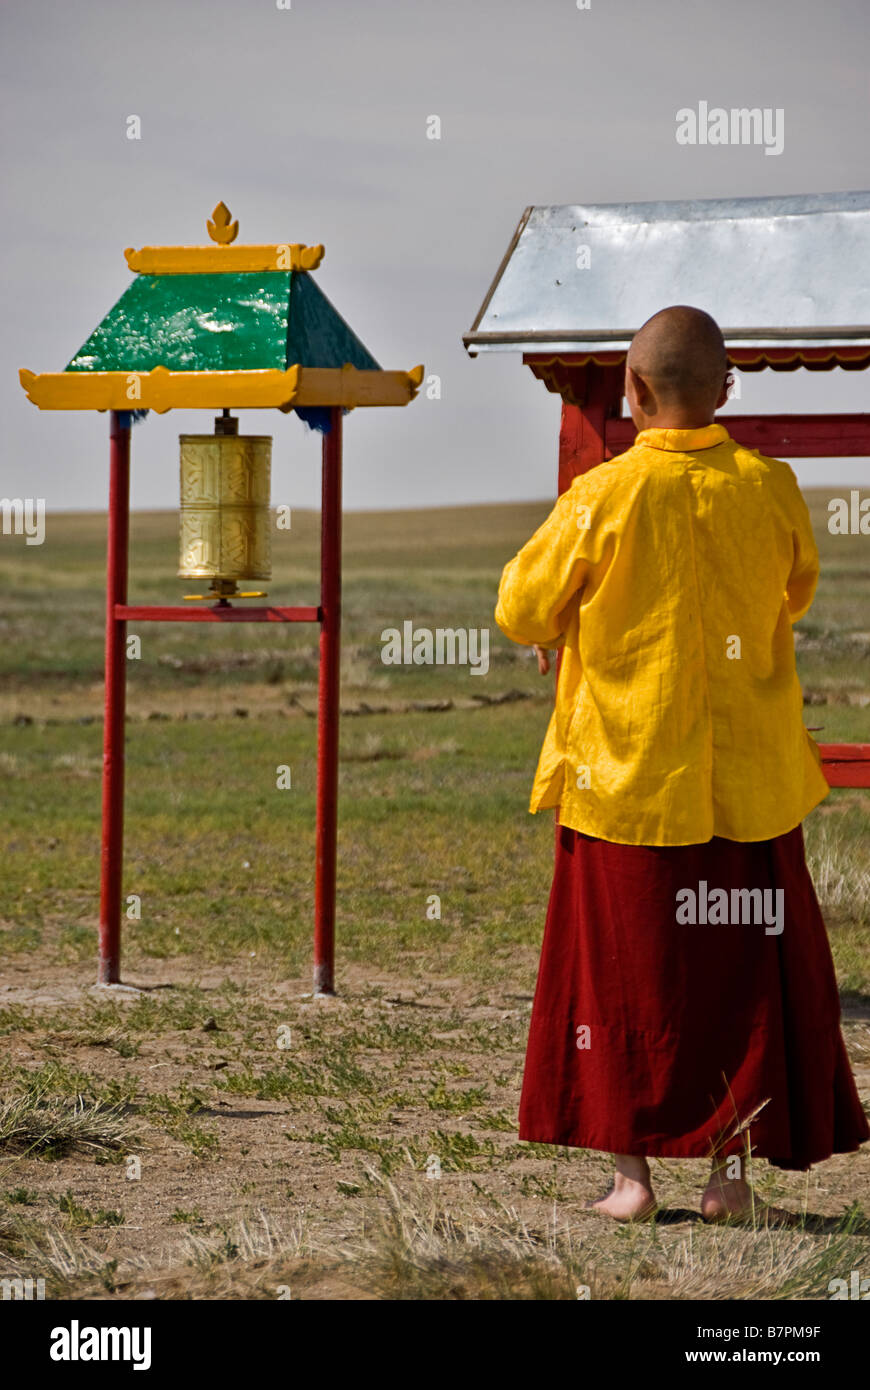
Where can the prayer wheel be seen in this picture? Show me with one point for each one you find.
(225, 533)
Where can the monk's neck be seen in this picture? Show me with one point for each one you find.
(673, 420)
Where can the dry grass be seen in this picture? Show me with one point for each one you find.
(415, 1243)
(841, 879)
(39, 1123)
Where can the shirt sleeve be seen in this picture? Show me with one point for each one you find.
(539, 584)
(801, 586)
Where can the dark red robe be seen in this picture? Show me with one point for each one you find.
(691, 1028)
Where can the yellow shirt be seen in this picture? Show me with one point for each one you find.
(671, 577)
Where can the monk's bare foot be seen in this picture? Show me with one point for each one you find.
(731, 1201)
(631, 1197)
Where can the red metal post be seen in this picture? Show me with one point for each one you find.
(112, 854)
(328, 708)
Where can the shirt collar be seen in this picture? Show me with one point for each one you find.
(683, 441)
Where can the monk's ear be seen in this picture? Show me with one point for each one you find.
(639, 388)
(726, 387)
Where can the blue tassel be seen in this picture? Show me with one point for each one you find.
(127, 418)
(316, 417)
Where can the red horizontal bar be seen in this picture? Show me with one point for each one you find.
(846, 764)
(154, 613)
(796, 436)
(847, 774)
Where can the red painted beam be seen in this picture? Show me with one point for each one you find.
(155, 613)
(846, 764)
(794, 436)
(586, 420)
(112, 845)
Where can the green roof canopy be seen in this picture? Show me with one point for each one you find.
(227, 321)
(225, 326)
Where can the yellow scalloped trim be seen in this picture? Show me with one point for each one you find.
(799, 354)
(842, 354)
(584, 358)
(161, 390)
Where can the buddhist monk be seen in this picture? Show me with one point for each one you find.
(686, 1003)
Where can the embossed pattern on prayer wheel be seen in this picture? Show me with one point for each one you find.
(225, 495)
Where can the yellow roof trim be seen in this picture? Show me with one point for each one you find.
(161, 390)
(210, 260)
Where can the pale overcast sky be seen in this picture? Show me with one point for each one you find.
(310, 123)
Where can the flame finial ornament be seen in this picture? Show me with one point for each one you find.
(222, 230)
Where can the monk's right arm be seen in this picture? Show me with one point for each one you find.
(537, 586)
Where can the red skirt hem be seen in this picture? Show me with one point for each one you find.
(667, 1039)
(677, 1149)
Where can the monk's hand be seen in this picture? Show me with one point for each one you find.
(543, 659)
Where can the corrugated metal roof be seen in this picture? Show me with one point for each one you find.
(771, 271)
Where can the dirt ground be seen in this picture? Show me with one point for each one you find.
(243, 1192)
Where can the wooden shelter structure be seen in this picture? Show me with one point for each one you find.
(784, 277)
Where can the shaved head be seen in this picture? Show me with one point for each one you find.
(680, 354)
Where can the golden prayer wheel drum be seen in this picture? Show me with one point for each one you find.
(225, 532)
